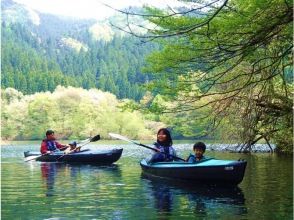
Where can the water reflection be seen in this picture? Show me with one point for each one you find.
(53, 173)
(163, 198)
(49, 172)
(204, 201)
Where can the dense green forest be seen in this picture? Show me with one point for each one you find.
(33, 61)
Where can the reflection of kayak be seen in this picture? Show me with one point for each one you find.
(219, 194)
(85, 156)
(208, 171)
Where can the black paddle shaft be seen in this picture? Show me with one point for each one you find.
(93, 139)
(118, 136)
(151, 148)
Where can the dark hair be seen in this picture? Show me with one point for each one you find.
(169, 141)
(199, 145)
(49, 132)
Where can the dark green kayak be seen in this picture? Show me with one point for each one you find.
(209, 171)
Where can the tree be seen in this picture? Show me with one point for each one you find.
(244, 51)
(74, 113)
(32, 52)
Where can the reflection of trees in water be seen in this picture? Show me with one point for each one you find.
(203, 201)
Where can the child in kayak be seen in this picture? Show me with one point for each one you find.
(164, 145)
(72, 148)
(199, 149)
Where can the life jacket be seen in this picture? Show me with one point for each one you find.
(168, 151)
(51, 145)
(192, 158)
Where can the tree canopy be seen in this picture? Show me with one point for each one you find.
(72, 112)
(234, 57)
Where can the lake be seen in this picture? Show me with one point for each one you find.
(35, 190)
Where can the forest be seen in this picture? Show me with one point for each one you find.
(220, 70)
(74, 113)
(31, 64)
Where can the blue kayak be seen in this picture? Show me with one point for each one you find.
(99, 157)
(209, 171)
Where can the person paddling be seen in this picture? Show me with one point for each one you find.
(50, 145)
(164, 146)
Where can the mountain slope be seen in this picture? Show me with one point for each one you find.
(42, 51)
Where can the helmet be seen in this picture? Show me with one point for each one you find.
(73, 144)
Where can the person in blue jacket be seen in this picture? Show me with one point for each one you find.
(164, 146)
(199, 149)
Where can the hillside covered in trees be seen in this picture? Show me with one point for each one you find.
(40, 55)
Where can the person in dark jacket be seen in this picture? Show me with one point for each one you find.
(164, 146)
(50, 145)
(199, 149)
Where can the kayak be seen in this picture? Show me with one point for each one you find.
(100, 157)
(209, 171)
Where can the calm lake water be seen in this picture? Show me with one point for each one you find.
(34, 190)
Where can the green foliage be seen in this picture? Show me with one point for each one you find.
(235, 58)
(13, 111)
(34, 62)
(184, 124)
(74, 113)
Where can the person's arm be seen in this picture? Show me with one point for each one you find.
(43, 149)
(61, 146)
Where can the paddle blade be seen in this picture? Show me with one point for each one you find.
(95, 138)
(29, 158)
(120, 137)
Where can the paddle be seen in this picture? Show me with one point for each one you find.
(118, 136)
(93, 139)
(36, 157)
